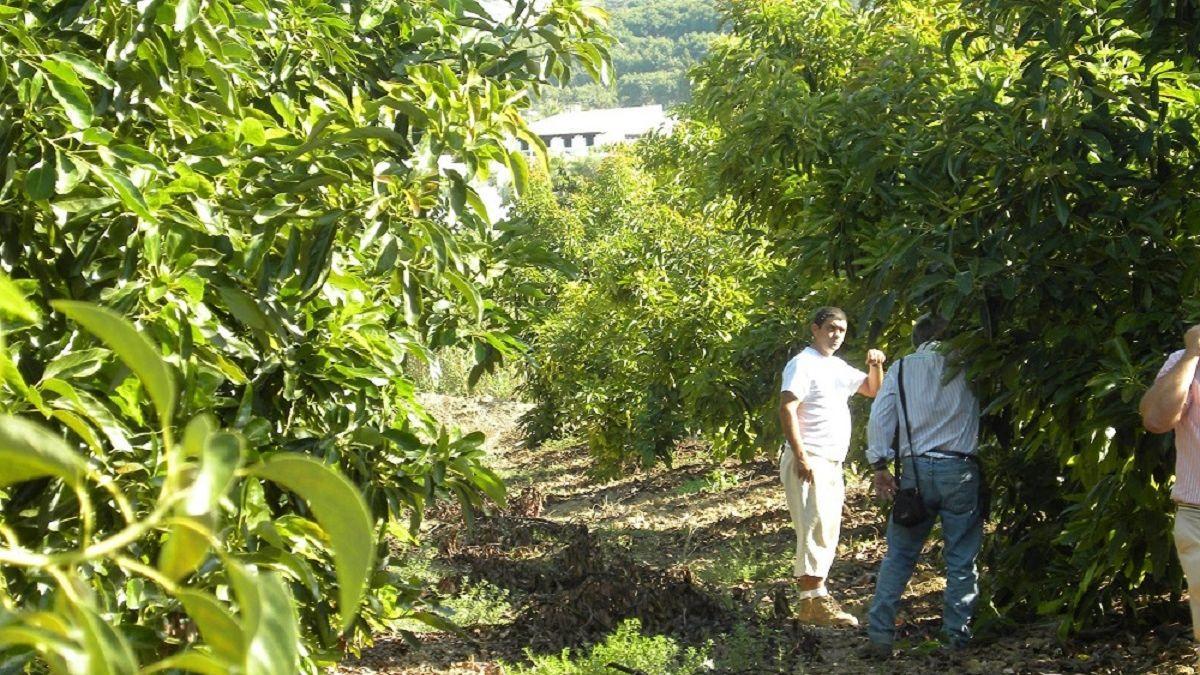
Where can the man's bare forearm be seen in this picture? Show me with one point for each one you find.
(1162, 405)
(791, 432)
(874, 378)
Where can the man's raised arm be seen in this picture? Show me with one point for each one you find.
(870, 386)
(1162, 405)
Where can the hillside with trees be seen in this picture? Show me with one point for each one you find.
(658, 41)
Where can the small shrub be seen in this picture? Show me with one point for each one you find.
(626, 647)
(717, 480)
(741, 563)
(480, 603)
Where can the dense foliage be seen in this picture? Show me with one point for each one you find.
(658, 290)
(275, 199)
(1026, 169)
(658, 42)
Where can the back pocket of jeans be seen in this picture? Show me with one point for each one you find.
(960, 490)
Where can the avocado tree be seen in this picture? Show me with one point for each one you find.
(227, 225)
(1027, 172)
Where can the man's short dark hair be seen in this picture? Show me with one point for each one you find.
(826, 313)
(929, 327)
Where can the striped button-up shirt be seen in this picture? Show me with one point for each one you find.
(942, 415)
(1187, 441)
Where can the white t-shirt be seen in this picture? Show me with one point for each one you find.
(824, 385)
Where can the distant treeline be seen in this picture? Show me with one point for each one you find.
(657, 42)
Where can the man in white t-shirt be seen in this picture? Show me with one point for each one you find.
(815, 415)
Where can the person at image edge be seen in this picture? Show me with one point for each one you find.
(1171, 404)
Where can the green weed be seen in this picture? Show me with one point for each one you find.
(741, 563)
(717, 480)
(626, 647)
(480, 603)
(746, 649)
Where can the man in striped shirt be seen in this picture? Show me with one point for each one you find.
(1171, 404)
(939, 457)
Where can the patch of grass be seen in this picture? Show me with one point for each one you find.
(480, 603)
(475, 603)
(416, 563)
(741, 563)
(450, 371)
(563, 443)
(746, 650)
(717, 480)
(626, 647)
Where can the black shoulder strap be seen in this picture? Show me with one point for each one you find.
(903, 413)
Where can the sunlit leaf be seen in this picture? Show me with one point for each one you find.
(131, 346)
(218, 627)
(341, 512)
(70, 93)
(13, 302)
(29, 450)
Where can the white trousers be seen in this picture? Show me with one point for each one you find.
(1187, 542)
(816, 509)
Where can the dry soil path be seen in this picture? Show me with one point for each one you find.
(698, 551)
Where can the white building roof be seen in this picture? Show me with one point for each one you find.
(624, 121)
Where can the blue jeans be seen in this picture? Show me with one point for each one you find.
(950, 490)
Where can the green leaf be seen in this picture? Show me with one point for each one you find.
(39, 180)
(29, 450)
(221, 456)
(86, 405)
(964, 281)
(128, 193)
(468, 292)
(318, 253)
(268, 621)
(13, 302)
(70, 93)
(436, 621)
(70, 171)
(75, 423)
(1061, 209)
(244, 308)
(186, 13)
(216, 624)
(183, 549)
(42, 639)
(412, 297)
(490, 483)
(186, 546)
(252, 132)
(195, 435)
(520, 171)
(131, 346)
(74, 209)
(83, 363)
(193, 662)
(107, 651)
(85, 69)
(340, 511)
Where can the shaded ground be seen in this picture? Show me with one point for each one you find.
(699, 552)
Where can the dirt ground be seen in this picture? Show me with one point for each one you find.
(700, 552)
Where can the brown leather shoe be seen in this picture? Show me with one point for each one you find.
(824, 611)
